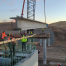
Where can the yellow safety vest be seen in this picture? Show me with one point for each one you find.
(43, 29)
(31, 33)
(24, 40)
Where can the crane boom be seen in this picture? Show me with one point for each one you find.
(23, 8)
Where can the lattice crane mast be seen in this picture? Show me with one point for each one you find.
(31, 9)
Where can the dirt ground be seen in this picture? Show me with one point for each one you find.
(55, 54)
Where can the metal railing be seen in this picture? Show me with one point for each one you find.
(10, 55)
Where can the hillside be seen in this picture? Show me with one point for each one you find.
(7, 25)
(59, 29)
(56, 53)
(59, 24)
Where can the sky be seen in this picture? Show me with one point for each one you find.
(55, 10)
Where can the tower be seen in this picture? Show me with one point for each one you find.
(31, 9)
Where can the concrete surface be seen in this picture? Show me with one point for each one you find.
(26, 24)
(29, 61)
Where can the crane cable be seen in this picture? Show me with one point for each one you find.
(44, 11)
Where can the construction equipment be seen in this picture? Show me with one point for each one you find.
(23, 8)
(31, 9)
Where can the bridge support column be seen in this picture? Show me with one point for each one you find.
(40, 42)
(44, 51)
(48, 41)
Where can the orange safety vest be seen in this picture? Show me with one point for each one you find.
(4, 34)
(12, 38)
(2, 37)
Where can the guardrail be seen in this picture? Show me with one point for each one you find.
(16, 39)
(10, 55)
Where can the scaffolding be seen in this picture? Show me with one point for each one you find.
(6, 54)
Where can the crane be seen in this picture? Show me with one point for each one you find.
(31, 9)
(23, 8)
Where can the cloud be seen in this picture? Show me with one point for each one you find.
(13, 10)
(12, 21)
(0, 21)
(3, 11)
(8, 21)
(11, 4)
(4, 20)
(3, 0)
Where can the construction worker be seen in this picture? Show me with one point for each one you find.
(31, 37)
(12, 45)
(21, 32)
(1, 37)
(4, 35)
(31, 32)
(9, 34)
(42, 29)
(58, 64)
(24, 40)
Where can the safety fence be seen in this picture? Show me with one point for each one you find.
(11, 53)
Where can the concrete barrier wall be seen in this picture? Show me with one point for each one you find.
(30, 61)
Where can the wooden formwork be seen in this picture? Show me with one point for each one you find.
(42, 35)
